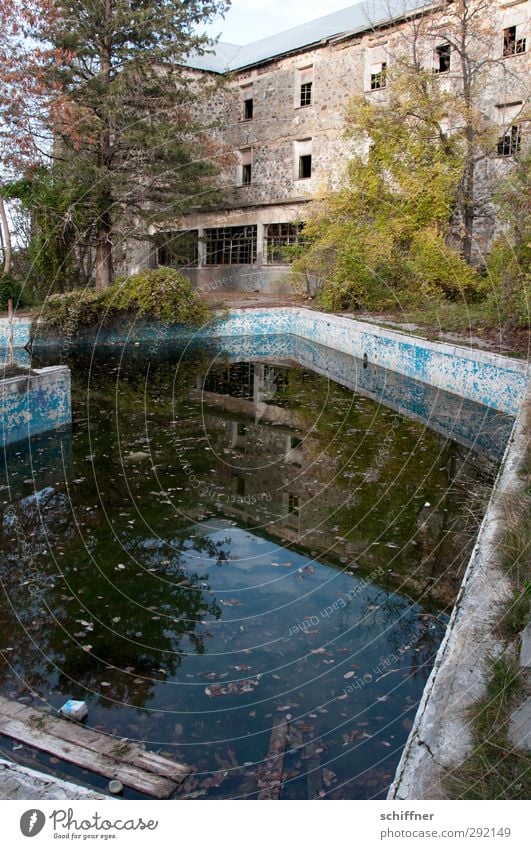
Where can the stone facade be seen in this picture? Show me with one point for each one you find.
(276, 112)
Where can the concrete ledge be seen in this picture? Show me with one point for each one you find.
(20, 782)
(441, 736)
(34, 403)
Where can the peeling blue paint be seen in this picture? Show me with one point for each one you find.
(489, 379)
(34, 403)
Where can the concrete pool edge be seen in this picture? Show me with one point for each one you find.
(440, 739)
(490, 379)
(33, 403)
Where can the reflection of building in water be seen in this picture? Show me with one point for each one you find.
(314, 489)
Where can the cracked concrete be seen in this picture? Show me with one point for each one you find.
(20, 782)
(441, 736)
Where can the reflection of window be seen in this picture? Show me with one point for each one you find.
(248, 108)
(513, 41)
(509, 143)
(278, 238)
(177, 249)
(293, 503)
(230, 245)
(378, 76)
(441, 59)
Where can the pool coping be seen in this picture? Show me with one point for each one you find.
(441, 736)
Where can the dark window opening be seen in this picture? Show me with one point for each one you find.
(306, 94)
(240, 486)
(231, 245)
(177, 249)
(379, 78)
(509, 143)
(246, 174)
(295, 442)
(236, 380)
(293, 503)
(442, 59)
(242, 429)
(305, 166)
(280, 241)
(511, 44)
(248, 108)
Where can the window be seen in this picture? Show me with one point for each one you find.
(306, 94)
(509, 143)
(230, 245)
(177, 249)
(378, 76)
(279, 238)
(304, 86)
(441, 59)
(246, 159)
(513, 41)
(248, 107)
(302, 159)
(305, 166)
(293, 503)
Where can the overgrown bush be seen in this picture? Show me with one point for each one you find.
(9, 288)
(381, 241)
(161, 294)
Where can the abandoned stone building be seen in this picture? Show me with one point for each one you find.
(282, 115)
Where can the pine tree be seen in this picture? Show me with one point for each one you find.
(121, 112)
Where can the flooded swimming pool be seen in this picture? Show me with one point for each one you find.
(248, 536)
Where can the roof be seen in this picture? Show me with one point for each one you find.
(355, 19)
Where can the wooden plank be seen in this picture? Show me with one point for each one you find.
(132, 754)
(87, 738)
(271, 778)
(145, 782)
(10, 708)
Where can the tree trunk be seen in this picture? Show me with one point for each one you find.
(6, 237)
(104, 262)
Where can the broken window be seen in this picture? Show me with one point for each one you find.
(513, 41)
(246, 158)
(509, 143)
(178, 248)
(248, 107)
(279, 238)
(230, 245)
(441, 59)
(306, 94)
(378, 76)
(293, 503)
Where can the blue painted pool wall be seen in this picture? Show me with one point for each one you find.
(495, 381)
(33, 404)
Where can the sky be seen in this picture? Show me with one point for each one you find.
(249, 20)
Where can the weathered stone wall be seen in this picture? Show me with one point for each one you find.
(341, 69)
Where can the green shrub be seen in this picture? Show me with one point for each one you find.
(161, 294)
(9, 288)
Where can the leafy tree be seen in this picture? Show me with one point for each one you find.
(508, 268)
(121, 112)
(383, 235)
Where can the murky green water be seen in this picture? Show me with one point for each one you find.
(227, 541)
